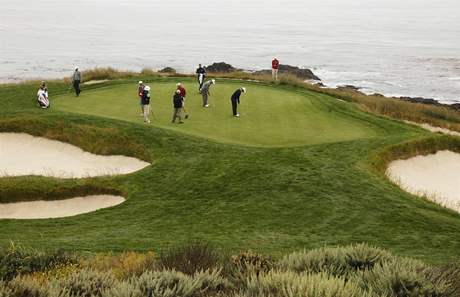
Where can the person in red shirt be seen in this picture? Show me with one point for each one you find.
(275, 66)
(183, 93)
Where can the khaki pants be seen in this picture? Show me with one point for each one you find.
(146, 112)
(177, 114)
(275, 74)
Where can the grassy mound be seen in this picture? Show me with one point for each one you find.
(304, 180)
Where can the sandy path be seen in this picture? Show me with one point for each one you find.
(22, 154)
(58, 208)
(434, 129)
(435, 176)
(94, 82)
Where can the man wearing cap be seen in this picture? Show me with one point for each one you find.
(205, 91)
(183, 93)
(236, 100)
(275, 66)
(140, 91)
(178, 104)
(201, 76)
(145, 103)
(76, 79)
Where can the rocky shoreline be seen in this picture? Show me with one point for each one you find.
(308, 75)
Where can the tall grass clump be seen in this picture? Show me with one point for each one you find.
(85, 283)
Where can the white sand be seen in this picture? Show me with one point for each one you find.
(22, 154)
(58, 208)
(434, 129)
(435, 176)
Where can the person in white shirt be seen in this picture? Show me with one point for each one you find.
(42, 96)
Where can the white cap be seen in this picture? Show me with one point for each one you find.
(76, 67)
(147, 88)
(213, 81)
(178, 84)
(141, 82)
(243, 89)
(177, 91)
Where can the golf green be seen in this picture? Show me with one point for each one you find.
(269, 116)
(293, 172)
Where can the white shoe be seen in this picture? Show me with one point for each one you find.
(237, 115)
(148, 121)
(207, 105)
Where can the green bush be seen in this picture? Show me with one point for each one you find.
(18, 260)
(85, 283)
(190, 258)
(292, 284)
(448, 274)
(404, 278)
(342, 261)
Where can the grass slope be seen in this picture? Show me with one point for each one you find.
(271, 200)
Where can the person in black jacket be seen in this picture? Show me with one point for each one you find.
(236, 100)
(178, 104)
(201, 76)
(145, 101)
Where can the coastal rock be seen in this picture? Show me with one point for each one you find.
(455, 106)
(221, 67)
(429, 101)
(350, 88)
(302, 73)
(167, 70)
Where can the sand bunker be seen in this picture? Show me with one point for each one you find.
(435, 176)
(23, 154)
(434, 129)
(58, 208)
(94, 82)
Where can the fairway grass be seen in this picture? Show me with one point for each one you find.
(293, 172)
(269, 116)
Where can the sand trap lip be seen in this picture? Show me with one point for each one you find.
(57, 208)
(94, 82)
(434, 129)
(22, 154)
(435, 176)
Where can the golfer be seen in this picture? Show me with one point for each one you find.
(42, 96)
(183, 93)
(178, 104)
(201, 76)
(76, 79)
(275, 67)
(140, 91)
(145, 101)
(236, 100)
(205, 91)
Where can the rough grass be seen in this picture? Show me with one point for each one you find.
(270, 200)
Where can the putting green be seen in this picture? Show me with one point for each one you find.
(270, 116)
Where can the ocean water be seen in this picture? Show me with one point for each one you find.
(409, 48)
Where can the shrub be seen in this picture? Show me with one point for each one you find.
(85, 283)
(404, 278)
(449, 275)
(123, 289)
(247, 264)
(291, 284)
(175, 283)
(342, 261)
(23, 287)
(123, 265)
(190, 258)
(17, 260)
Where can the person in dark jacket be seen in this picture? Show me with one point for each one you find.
(140, 91)
(236, 100)
(145, 101)
(201, 76)
(183, 93)
(178, 103)
(76, 79)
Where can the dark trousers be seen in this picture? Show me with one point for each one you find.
(234, 107)
(76, 86)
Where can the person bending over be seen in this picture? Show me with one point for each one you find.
(236, 100)
(205, 91)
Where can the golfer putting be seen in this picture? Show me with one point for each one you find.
(205, 91)
(236, 100)
(183, 93)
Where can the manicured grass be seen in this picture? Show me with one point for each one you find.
(312, 187)
(270, 116)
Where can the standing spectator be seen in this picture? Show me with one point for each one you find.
(178, 104)
(42, 96)
(236, 100)
(183, 93)
(76, 79)
(205, 91)
(145, 101)
(140, 91)
(275, 66)
(201, 76)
